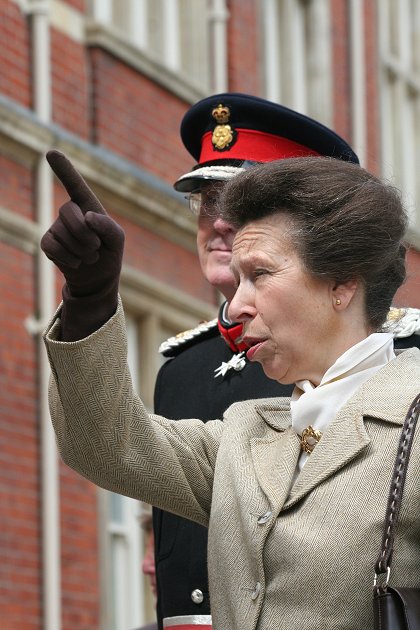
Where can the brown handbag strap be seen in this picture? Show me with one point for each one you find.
(397, 486)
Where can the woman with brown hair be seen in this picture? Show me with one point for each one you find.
(293, 492)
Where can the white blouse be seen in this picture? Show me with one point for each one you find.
(317, 406)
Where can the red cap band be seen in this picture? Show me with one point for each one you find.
(254, 145)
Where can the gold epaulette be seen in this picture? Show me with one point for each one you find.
(403, 322)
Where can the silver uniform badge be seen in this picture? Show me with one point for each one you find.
(237, 363)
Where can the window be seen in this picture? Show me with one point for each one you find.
(123, 589)
(175, 34)
(399, 28)
(127, 600)
(297, 56)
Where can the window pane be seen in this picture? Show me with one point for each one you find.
(401, 97)
(195, 49)
(174, 33)
(155, 29)
(116, 512)
(297, 55)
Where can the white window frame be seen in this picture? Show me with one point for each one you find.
(400, 102)
(123, 589)
(153, 312)
(126, 21)
(358, 78)
(122, 541)
(297, 55)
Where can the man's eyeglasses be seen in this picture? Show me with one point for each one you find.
(204, 201)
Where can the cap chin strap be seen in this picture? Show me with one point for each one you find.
(230, 331)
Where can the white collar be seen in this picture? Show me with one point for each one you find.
(317, 406)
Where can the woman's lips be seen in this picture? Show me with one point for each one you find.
(254, 348)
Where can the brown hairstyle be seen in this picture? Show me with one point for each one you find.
(347, 223)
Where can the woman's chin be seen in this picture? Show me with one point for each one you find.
(276, 373)
(269, 370)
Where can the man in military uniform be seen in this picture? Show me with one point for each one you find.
(207, 369)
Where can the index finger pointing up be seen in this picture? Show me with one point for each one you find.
(73, 182)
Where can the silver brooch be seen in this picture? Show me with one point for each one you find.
(237, 363)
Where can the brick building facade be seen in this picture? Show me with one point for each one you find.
(107, 82)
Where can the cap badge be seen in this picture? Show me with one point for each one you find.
(223, 135)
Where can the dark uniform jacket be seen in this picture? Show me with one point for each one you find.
(186, 387)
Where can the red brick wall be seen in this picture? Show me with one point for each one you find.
(16, 188)
(70, 85)
(244, 72)
(20, 566)
(165, 261)
(341, 68)
(136, 118)
(15, 57)
(20, 570)
(409, 293)
(79, 546)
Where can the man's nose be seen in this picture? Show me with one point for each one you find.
(222, 226)
(148, 565)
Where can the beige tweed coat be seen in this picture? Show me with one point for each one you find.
(282, 556)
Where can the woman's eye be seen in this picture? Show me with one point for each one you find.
(260, 272)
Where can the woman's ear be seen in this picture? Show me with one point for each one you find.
(342, 294)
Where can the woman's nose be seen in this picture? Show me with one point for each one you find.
(241, 307)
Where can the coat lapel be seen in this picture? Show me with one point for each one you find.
(344, 439)
(275, 462)
(347, 437)
(275, 455)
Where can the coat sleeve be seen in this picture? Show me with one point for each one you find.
(104, 432)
